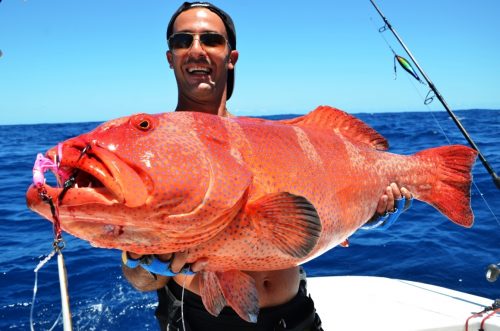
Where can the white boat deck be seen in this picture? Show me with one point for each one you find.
(377, 303)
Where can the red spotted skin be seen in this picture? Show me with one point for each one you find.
(320, 165)
(190, 181)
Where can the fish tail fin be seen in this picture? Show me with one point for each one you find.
(449, 189)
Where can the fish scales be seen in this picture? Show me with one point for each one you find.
(273, 172)
(242, 193)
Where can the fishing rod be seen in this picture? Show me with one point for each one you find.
(485, 163)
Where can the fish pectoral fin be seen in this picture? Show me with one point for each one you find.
(233, 288)
(289, 221)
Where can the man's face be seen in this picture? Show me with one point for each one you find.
(201, 73)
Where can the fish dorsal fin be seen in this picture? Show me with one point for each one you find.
(330, 118)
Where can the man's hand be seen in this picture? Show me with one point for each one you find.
(143, 280)
(177, 261)
(392, 192)
(390, 206)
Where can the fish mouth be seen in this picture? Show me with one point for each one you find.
(91, 174)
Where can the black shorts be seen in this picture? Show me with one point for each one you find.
(297, 314)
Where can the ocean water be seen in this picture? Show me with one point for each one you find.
(422, 246)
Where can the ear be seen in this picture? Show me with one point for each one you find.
(233, 57)
(170, 58)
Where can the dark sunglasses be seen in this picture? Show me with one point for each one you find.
(208, 40)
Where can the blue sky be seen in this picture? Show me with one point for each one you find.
(75, 61)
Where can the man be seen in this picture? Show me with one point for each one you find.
(202, 52)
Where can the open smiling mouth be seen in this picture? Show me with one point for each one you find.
(199, 71)
(92, 174)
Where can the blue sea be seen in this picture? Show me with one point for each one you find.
(422, 246)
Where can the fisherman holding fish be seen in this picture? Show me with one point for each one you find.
(202, 53)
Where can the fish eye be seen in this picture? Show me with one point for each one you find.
(144, 125)
(143, 122)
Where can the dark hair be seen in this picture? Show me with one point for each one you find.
(228, 24)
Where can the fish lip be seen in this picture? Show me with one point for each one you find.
(102, 167)
(74, 162)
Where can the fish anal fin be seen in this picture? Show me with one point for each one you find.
(289, 221)
(345, 243)
(211, 293)
(232, 288)
(330, 118)
(240, 293)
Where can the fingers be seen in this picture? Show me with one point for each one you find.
(395, 191)
(390, 207)
(408, 196)
(392, 192)
(406, 193)
(178, 261)
(199, 265)
(382, 205)
(134, 256)
(164, 257)
(390, 197)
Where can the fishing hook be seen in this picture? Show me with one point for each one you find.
(42, 192)
(495, 177)
(84, 151)
(70, 182)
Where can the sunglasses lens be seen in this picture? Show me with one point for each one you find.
(180, 41)
(185, 40)
(212, 40)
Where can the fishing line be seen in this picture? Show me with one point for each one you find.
(426, 101)
(42, 165)
(406, 64)
(35, 290)
(182, 302)
(431, 111)
(381, 30)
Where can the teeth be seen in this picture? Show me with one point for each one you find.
(76, 185)
(198, 69)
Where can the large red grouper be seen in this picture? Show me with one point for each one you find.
(242, 193)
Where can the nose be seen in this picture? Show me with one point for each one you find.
(196, 47)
